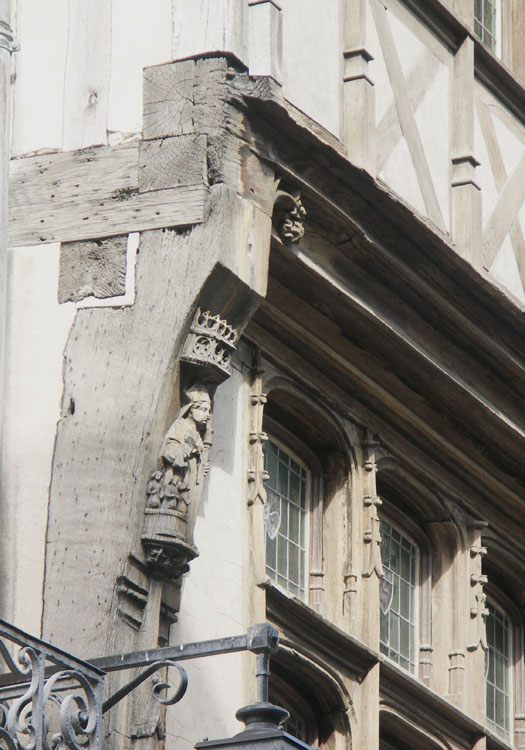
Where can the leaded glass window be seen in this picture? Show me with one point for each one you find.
(286, 512)
(486, 22)
(397, 598)
(497, 690)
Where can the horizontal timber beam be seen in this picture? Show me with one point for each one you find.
(102, 191)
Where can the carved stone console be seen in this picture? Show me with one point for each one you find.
(174, 488)
(288, 216)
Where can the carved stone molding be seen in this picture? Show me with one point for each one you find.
(349, 593)
(371, 502)
(288, 216)
(478, 598)
(210, 345)
(256, 471)
(456, 673)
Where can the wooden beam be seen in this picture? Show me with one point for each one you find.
(407, 118)
(418, 82)
(87, 74)
(504, 213)
(95, 193)
(500, 178)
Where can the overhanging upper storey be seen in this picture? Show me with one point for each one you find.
(376, 299)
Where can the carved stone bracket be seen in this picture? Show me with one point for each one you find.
(175, 487)
(256, 472)
(478, 598)
(288, 217)
(371, 502)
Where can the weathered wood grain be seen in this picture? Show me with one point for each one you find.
(91, 193)
(88, 69)
(92, 269)
(172, 162)
(168, 99)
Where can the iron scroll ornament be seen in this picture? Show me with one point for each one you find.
(156, 688)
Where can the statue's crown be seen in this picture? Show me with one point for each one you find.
(210, 343)
(214, 325)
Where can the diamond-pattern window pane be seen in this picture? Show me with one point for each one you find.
(497, 692)
(286, 519)
(398, 592)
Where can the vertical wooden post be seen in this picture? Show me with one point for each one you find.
(6, 47)
(466, 195)
(358, 89)
(265, 40)
(465, 10)
(517, 48)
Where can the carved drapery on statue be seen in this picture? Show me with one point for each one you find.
(174, 488)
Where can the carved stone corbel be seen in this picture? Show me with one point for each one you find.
(371, 502)
(257, 474)
(288, 216)
(478, 598)
(175, 487)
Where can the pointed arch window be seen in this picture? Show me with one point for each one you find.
(287, 511)
(398, 597)
(497, 677)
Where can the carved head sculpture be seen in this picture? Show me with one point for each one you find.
(198, 407)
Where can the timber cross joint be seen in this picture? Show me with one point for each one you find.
(51, 700)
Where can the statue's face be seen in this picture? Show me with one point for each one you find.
(201, 410)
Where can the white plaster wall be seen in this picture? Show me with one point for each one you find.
(37, 331)
(213, 601)
(209, 26)
(141, 36)
(416, 50)
(383, 94)
(41, 30)
(510, 137)
(484, 177)
(432, 118)
(505, 270)
(312, 59)
(509, 146)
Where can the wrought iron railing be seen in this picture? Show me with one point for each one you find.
(50, 700)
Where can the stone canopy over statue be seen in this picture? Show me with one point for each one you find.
(174, 488)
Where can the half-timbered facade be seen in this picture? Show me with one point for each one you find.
(264, 345)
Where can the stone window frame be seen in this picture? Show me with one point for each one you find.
(314, 557)
(307, 511)
(414, 621)
(501, 601)
(283, 693)
(409, 528)
(304, 685)
(505, 732)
